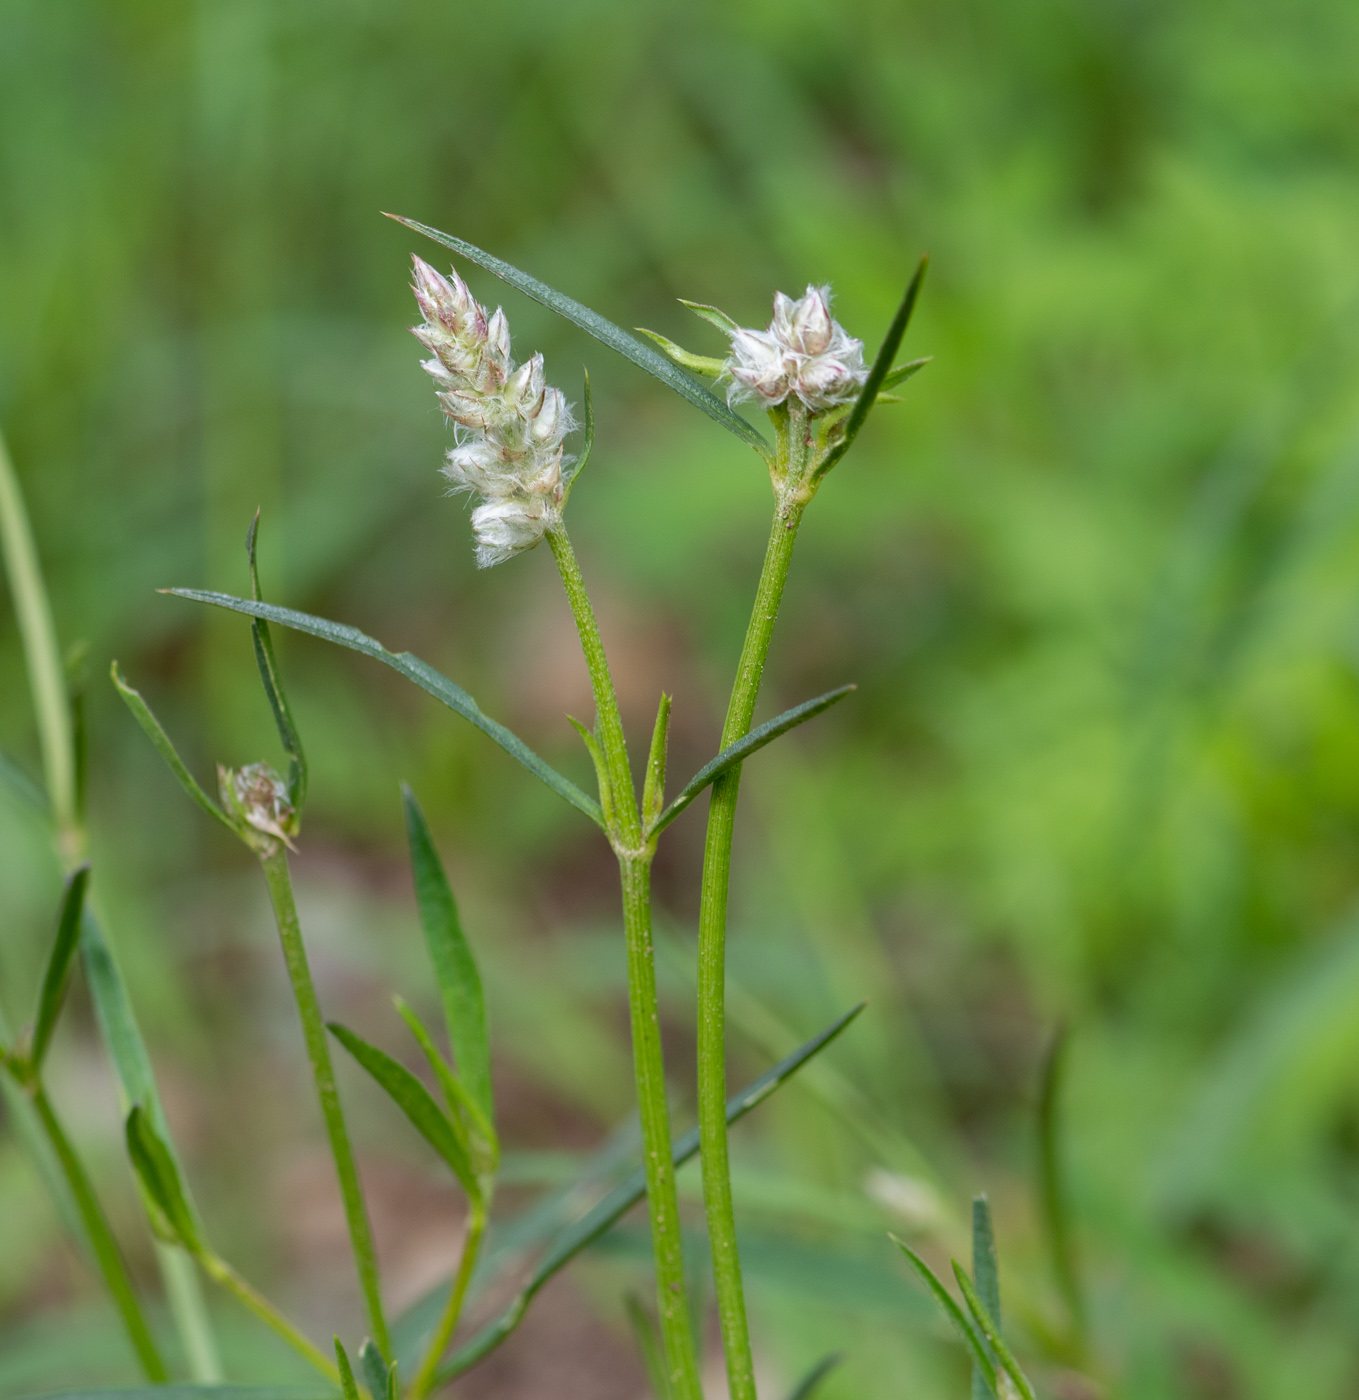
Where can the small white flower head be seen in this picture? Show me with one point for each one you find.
(510, 423)
(805, 354)
(257, 796)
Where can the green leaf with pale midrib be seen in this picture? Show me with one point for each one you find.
(455, 969)
(621, 1199)
(615, 337)
(743, 748)
(422, 673)
(414, 1100)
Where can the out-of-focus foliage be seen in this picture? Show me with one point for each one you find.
(1097, 580)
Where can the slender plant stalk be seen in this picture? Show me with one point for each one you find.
(221, 1272)
(443, 1334)
(634, 860)
(105, 1247)
(56, 735)
(712, 956)
(323, 1073)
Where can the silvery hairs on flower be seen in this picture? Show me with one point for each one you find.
(509, 423)
(805, 354)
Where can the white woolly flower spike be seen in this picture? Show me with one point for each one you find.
(805, 353)
(510, 422)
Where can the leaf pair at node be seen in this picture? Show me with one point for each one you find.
(461, 1128)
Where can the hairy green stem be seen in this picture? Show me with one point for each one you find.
(443, 1334)
(221, 1272)
(634, 862)
(712, 954)
(275, 865)
(105, 1247)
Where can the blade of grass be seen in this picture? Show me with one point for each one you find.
(621, 1199)
(424, 675)
(981, 1357)
(415, 1101)
(989, 1329)
(348, 1389)
(882, 368)
(469, 1122)
(985, 1271)
(288, 733)
(744, 747)
(615, 337)
(58, 975)
(455, 969)
(811, 1382)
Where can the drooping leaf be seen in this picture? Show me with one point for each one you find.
(743, 748)
(621, 1199)
(348, 1389)
(58, 975)
(882, 367)
(273, 684)
(161, 740)
(981, 1356)
(653, 791)
(414, 1100)
(455, 969)
(474, 1129)
(811, 1382)
(583, 457)
(615, 337)
(986, 1273)
(423, 674)
(989, 1329)
(644, 1333)
(159, 1176)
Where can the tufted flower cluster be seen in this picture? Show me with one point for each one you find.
(509, 422)
(805, 354)
(258, 797)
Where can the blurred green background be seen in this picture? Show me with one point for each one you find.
(1098, 581)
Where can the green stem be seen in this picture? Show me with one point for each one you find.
(443, 1334)
(221, 1272)
(318, 1052)
(634, 862)
(712, 953)
(184, 1292)
(105, 1247)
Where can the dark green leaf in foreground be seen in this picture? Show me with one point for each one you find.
(423, 674)
(375, 1370)
(273, 684)
(986, 1273)
(621, 1199)
(161, 740)
(743, 748)
(989, 1329)
(615, 337)
(159, 1176)
(981, 1357)
(811, 1382)
(58, 974)
(455, 969)
(414, 1100)
(879, 374)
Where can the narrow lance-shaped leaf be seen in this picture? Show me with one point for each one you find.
(989, 1330)
(583, 459)
(811, 1382)
(348, 1389)
(470, 1123)
(981, 1357)
(743, 748)
(653, 791)
(621, 1199)
(267, 661)
(159, 1176)
(414, 1100)
(455, 969)
(375, 1369)
(58, 975)
(986, 1273)
(161, 740)
(423, 674)
(882, 367)
(904, 372)
(707, 365)
(615, 337)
